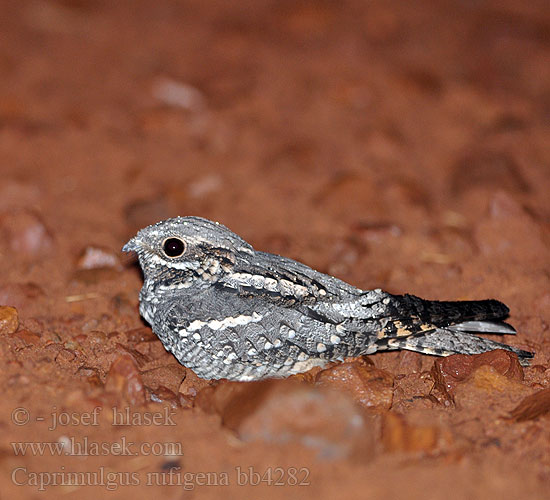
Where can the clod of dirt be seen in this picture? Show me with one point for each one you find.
(532, 406)
(25, 233)
(169, 376)
(92, 375)
(96, 257)
(400, 436)
(286, 411)
(449, 372)
(370, 387)
(65, 358)
(486, 386)
(9, 320)
(27, 337)
(164, 395)
(124, 379)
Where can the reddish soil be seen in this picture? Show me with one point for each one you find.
(400, 145)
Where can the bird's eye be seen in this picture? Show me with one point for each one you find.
(173, 247)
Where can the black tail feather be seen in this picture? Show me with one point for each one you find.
(445, 313)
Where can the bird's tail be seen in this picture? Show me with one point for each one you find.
(445, 341)
(444, 328)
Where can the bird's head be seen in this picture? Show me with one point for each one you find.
(185, 244)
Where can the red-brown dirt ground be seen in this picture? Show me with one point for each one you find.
(396, 145)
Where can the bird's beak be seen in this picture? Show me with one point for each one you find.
(132, 246)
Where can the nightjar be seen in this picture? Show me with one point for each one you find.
(228, 311)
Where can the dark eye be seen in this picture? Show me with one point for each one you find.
(173, 247)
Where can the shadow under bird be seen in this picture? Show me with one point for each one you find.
(228, 311)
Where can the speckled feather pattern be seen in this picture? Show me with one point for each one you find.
(228, 311)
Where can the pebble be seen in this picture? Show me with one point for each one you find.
(169, 376)
(487, 388)
(29, 338)
(124, 378)
(532, 407)
(96, 257)
(65, 358)
(164, 395)
(449, 372)
(92, 375)
(9, 320)
(288, 411)
(25, 233)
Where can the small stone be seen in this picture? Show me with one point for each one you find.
(370, 387)
(96, 257)
(170, 376)
(97, 338)
(25, 233)
(65, 357)
(164, 395)
(92, 375)
(29, 338)
(288, 411)
(9, 320)
(532, 406)
(124, 379)
(450, 371)
(18, 380)
(414, 392)
(140, 359)
(487, 388)
(185, 402)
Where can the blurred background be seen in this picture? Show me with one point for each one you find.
(318, 129)
(394, 144)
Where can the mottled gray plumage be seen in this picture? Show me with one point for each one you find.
(226, 310)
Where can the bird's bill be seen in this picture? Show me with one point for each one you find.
(132, 246)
